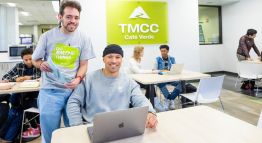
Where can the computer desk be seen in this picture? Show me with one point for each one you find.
(199, 124)
(153, 79)
(17, 89)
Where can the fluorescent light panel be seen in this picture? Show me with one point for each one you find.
(55, 6)
(11, 4)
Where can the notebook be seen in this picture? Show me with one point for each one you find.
(109, 126)
(176, 69)
(29, 83)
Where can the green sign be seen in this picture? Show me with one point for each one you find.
(136, 22)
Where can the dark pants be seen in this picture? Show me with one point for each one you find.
(19, 103)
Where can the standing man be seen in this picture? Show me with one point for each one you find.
(164, 63)
(246, 42)
(106, 90)
(62, 54)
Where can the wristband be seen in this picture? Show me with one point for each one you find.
(80, 77)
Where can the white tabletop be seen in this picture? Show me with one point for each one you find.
(17, 89)
(156, 78)
(199, 124)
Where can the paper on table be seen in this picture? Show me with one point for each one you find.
(6, 86)
(29, 83)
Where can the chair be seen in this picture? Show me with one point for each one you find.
(208, 91)
(249, 71)
(259, 123)
(31, 110)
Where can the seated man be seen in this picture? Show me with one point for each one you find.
(164, 63)
(22, 71)
(105, 90)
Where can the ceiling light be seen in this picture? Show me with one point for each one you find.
(24, 13)
(11, 4)
(55, 6)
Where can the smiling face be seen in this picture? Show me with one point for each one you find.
(112, 63)
(69, 20)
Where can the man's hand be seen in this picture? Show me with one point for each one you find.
(27, 77)
(249, 59)
(73, 83)
(45, 67)
(151, 121)
(20, 79)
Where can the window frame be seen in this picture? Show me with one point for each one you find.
(219, 24)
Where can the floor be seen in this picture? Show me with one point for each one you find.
(240, 104)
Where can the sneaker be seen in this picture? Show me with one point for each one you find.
(172, 105)
(31, 133)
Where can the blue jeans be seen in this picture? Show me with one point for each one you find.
(52, 105)
(13, 124)
(174, 93)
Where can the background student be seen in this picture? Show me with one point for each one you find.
(21, 72)
(165, 62)
(246, 43)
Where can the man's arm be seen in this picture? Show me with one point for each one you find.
(79, 76)
(139, 100)
(12, 74)
(74, 105)
(256, 50)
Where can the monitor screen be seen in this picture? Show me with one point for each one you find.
(15, 51)
(26, 40)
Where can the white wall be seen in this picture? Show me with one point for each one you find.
(237, 18)
(183, 33)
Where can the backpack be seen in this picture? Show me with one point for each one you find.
(4, 108)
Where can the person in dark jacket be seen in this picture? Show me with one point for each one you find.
(246, 42)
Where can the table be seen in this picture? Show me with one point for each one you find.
(17, 89)
(152, 79)
(199, 124)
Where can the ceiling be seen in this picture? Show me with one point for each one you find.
(41, 11)
(216, 2)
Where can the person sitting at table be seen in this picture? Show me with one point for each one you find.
(21, 72)
(135, 66)
(105, 90)
(164, 63)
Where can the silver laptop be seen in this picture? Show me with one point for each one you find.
(176, 69)
(109, 126)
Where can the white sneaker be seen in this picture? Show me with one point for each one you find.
(172, 105)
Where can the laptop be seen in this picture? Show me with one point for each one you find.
(176, 69)
(109, 126)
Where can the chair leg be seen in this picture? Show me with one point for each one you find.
(236, 81)
(21, 134)
(221, 104)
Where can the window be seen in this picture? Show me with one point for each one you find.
(210, 29)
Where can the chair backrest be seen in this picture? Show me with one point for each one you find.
(210, 88)
(249, 70)
(259, 123)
